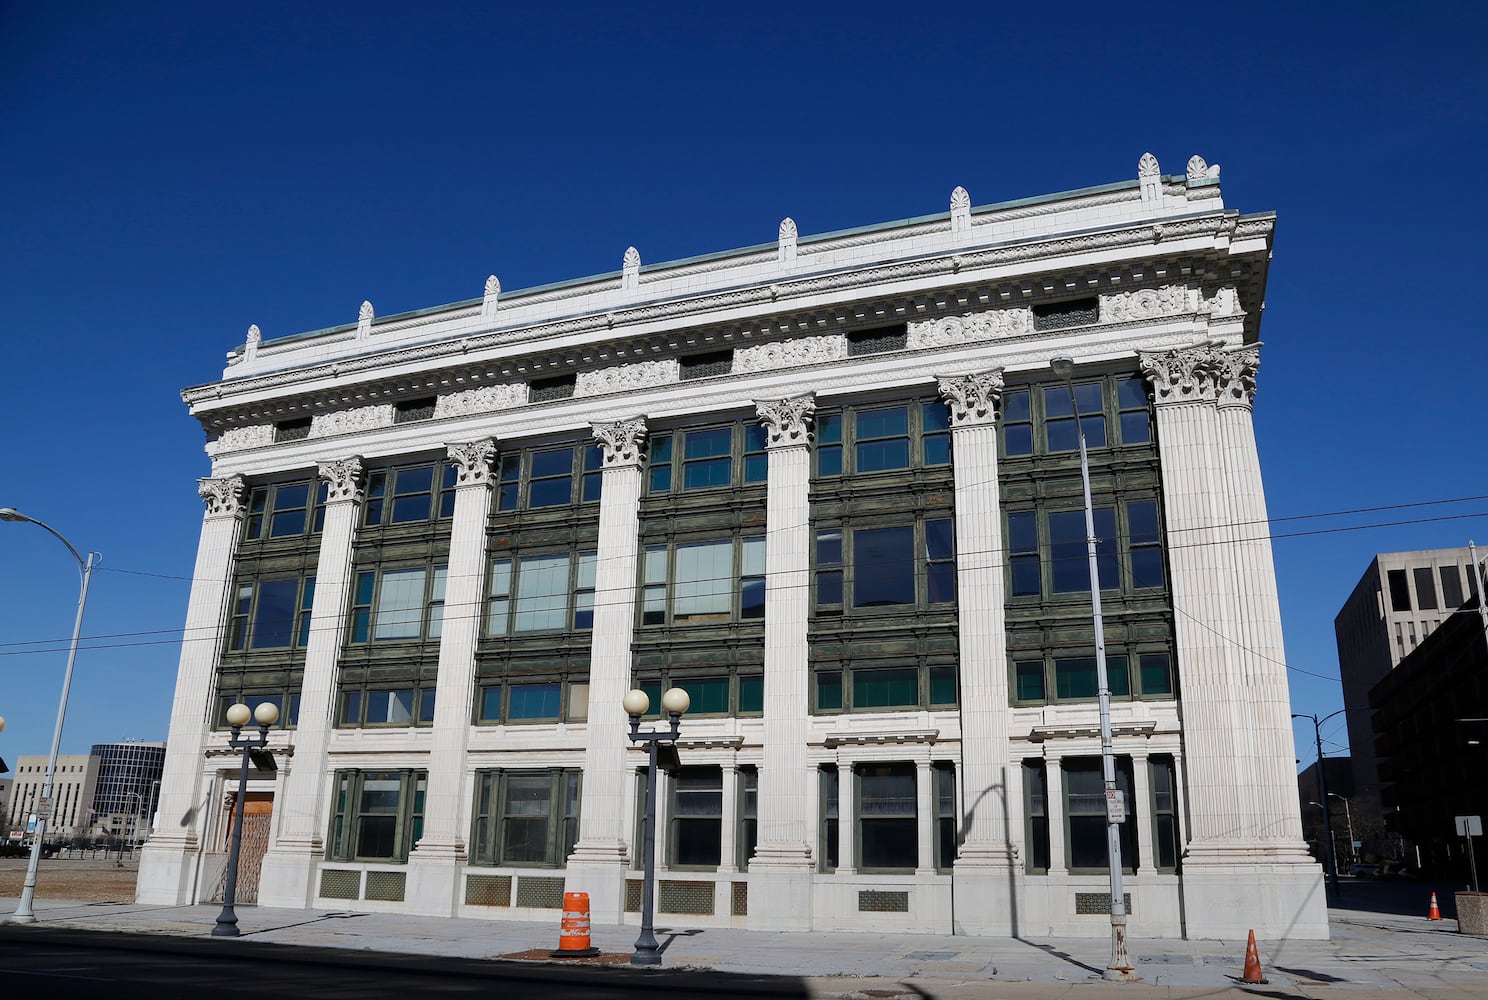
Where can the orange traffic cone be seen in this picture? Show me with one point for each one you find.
(573, 932)
(1252, 975)
(1435, 912)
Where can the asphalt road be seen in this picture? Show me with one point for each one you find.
(43, 962)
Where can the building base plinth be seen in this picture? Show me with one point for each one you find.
(987, 899)
(167, 872)
(604, 881)
(433, 884)
(287, 879)
(1277, 901)
(779, 897)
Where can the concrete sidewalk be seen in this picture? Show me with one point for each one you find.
(1370, 953)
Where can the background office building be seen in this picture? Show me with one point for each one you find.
(71, 800)
(127, 785)
(830, 486)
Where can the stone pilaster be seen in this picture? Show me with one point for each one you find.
(1240, 831)
(1139, 811)
(167, 860)
(925, 817)
(434, 863)
(779, 873)
(288, 877)
(986, 858)
(598, 864)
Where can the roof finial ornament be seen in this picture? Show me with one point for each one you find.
(364, 320)
(1199, 171)
(630, 268)
(493, 292)
(788, 235)
(250, 345)
(960, 210)
(1149, 178)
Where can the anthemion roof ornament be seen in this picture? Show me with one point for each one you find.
(960, 210)
(630, 268)
(493, 292)
(364, 320)
(787, 249)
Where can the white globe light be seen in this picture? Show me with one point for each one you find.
(636, 702)
(267, 713)
(676, 701)
(238, 715)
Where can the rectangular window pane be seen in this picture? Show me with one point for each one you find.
(887, 821)
(1017, 439)
(1425, 588)
(883, 567)
(1399, 590)
(704, 577)
(828, 690)
(1157, 673)
(273, 618)
(1069, 567)
(542, 593)
(534, 701)
(1030, 680)
(878, 456)
(400, 605)
(1451, 588)
(898, 688)
(1074, 677)
(1117, 678)
(751, 694)
(942, 686)
(709, 694)
(1136, 428)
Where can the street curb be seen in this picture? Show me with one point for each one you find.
(691, 978)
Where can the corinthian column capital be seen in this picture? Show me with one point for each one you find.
(1237, 376)
(344, 479)
(225, 496)
(972, 398)
(624, 441)
(472, 461)
(787, 421)
(1184, 375)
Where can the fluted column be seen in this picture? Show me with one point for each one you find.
(1055, 811)
(728, 854)
(289, 865)
(924, 817)
(1139, 811)
(1258, 609)
(1238, 874)
(780, 886)
(597, 865)
(166, 862)
(986, 861)
(847, 818)
(434, 887)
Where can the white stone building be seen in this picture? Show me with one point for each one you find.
(828, 485)
(71, 808)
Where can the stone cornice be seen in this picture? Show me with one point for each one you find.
(941, 264)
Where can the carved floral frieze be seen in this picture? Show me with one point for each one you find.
(791, 353)
(225, 496)
(621, 378)
(238, 438)
(951, 330)
(1144, 303)
(787, 421)
(360, 418)
(624, 441)
(1222, 302)
(483, 399)
(972, 398)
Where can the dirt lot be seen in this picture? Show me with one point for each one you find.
(84, 880)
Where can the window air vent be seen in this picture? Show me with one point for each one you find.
(1070, 312)
(414, 409)
(545, 390)
(879, 340)
(707, 365)
(292, 430)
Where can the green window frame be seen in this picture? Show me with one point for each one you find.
(532, 699)
(885, 686)
(947, 815)
(699, 581)
(376, 815)
(1036, 811)
(398, 603)
(525, 818)
(549, 477)
(541, 591)
(285, 510)
(746, 834)
(1085, 839)
(1037, 419)
(703, 458)
(887, 827)
(828, 828)
(883, 437)
(695, 818)
(1069, 675)
(737, 691)
(271, 611)
(286, 700)
(1167, 842)
(385, 706)
(1048, 551)
(886, 566)
(409, 494)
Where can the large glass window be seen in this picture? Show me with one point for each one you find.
(946, 815)
(1085, 815)
(707, 458)
(747, 835)
(1129, 554)
(881, 687)
(525, 817)
(888, 835)
(533, 698)
(407, 494)
(828, 830)
(696, 817)
(883, 438)
(376, 815)
(740, 691)
(285, 510)
(1114, 411)
(271, 614)
(1399, 590)
(1165, 839)
(379, 705)
(906, 565)
(1072, 676)
(403, 603)
(1036, 801)
(687, 583)
(540, 478)
(535, 593)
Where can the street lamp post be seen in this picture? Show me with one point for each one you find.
(1120, 967)
(1348, 815)
(265, 715)
(674, 702)
(25, 912)
(1322, 780)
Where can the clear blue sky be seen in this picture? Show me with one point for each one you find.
(172, 173)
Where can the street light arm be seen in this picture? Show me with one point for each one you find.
(11, 514)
